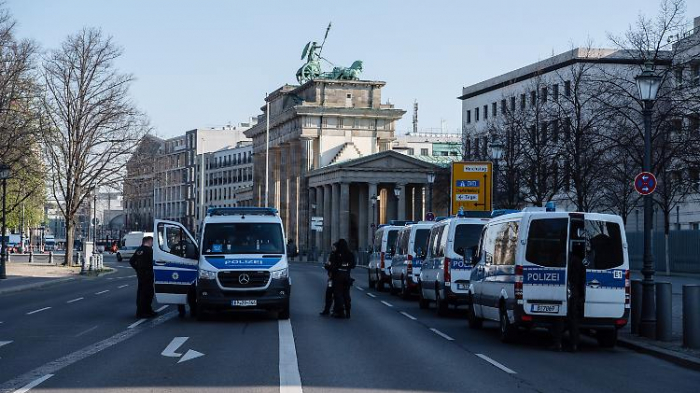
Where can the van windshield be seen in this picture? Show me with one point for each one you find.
(603, 245)
(467, 237)
(421, 240)
(546, 242)
(243, 238)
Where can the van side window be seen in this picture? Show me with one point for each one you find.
(506, 244)
(442, 241)
(490, 243)
(173, 240)
(603, 245)
(377, 241)
(546, 242)
(403, 242)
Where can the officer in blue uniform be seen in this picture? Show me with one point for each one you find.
(342, 262)
(142, 262)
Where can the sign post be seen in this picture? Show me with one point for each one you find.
(472, 186)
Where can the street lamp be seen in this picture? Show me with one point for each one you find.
(648, 84)
(374, 200)
(4, 175)
(496, 155)
(431, 180)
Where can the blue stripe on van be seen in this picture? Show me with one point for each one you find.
(535, 275)
(459, 264)
(243, 263)
(614, 278)
(182, 277)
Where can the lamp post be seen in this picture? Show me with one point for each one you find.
(94, 220)
(496, 155)
(431, 180)
(648, 84)
(374, 199)
(4, 175)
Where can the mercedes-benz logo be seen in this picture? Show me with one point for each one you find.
(243, 279)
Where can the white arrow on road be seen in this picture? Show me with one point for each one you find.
(3, 343)
(174, 345)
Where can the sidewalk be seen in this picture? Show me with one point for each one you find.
(670, 350)
(23, 276)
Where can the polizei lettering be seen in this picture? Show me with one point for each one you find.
(543, 276)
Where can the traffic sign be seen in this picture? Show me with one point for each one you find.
(471, 186)
(317, 224)
(645, 183)
(429, 216)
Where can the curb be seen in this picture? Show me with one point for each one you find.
(679, 359)
(26, 287)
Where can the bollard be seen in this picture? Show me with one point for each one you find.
(691, 316)
(31, 256)
(82, 264)
(635, 305)
(664, 311)
(51, 257)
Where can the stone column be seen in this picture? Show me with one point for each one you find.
(294, 195)
(303, 162)
(320, 204)
(371, 212)
(344, 222)
(327, 216)
(401, 207)
(335, 213)
(418, 214)
(362, 217)
(283, 177)
(313, 200)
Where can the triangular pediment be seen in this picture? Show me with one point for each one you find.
(386, 160)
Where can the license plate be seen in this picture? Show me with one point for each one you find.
(545, 308)
(462, 286)
(244, 303)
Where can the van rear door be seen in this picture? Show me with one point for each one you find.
(605, 259)
(544, 269)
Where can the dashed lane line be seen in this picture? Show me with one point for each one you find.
(495, 363)
(101, 292)
(39, 310)
(75, 300)
(359, 288)
(162, 308)
(387, 304)
(33, 384)
(290, 379)
(441, 334)
(122, 286)
(140, 321)
(409, 316)
(371, 295)
(86, 331)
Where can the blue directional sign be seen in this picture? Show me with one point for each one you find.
(467, 183)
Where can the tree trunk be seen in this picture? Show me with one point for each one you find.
(70, 240)
(667, 229)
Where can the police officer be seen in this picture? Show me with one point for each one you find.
(329, 283)
(142, 262)
(342, 262)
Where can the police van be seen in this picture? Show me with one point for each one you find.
(523, 269)
(444, 275)
(239, 263)
(383, 248)
(411, 245)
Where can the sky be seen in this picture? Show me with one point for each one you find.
(209, 63)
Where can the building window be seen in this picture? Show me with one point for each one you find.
(555, 92)
(476, 147)
(678, 73)
(567, 129)
(543, 96)
(468, 148)
(424, 152)
(543, 132)
(411, 151)
(486, 112)
(533, 98)
(503, 106)
(567, 88)
(469, 117)
(512, 104)
(494, 109)
(476, 114)
(555, 131)
(694, 123)
(484, 146)
(695, 73)
(522, 101)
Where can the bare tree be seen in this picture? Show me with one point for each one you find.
(91, 125)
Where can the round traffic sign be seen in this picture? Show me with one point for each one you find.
(645, 183)
(429, 216)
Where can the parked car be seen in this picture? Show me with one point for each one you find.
(383, 249)
(445, 272)
(411, 244)
(522, 272)
(130, 242)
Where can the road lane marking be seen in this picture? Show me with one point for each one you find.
(441, 334)
(162, 308)
(495, 363)
(409, 316)
(39, 310)
(359, 288)
(101, 292)
(54, 366)
(371, 294)
(86, 331)
(122, 286)
(290, 380)
(33, 384)
(3, 343)
(75, 300)
(176, 343)
(387, 304)
(133, 325)
(110, 278)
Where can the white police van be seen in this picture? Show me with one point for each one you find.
(383, 248)
(444, 275)
(411, 248)
(239, 263)
(521, 275)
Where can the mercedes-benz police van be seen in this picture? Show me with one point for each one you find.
(411, 244)
(383, 248)
(240, 262)
(521, 274)
(444, 276)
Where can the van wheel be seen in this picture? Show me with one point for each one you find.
(119, 257)
(423, 303)
(441, 306)
(371, 283)
(181, 311)
(404, 290)
(606, 338)
(508, 331)
(472, 319)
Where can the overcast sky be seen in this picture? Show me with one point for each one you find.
(208, 63)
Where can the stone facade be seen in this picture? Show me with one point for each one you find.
(139, 184)
(317, 124)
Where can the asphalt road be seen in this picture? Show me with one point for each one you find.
(82, 336)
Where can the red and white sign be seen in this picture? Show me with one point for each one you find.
(645, 183)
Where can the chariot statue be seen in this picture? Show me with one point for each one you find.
(312, 68)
